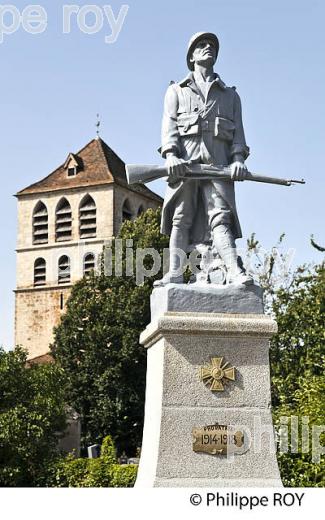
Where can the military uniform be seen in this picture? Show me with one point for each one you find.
(203, 127)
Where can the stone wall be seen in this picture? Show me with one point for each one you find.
(36, 313)
(102, 195)
(135, 202)
(38, 309)
(76, 251)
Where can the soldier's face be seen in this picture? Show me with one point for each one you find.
(204, 53)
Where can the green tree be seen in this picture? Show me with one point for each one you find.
(298, 349)
(297, 368)
(32, 414)
(97, 343)
(296, 299)
(300, 467)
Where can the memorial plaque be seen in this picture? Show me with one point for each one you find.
(217, 439)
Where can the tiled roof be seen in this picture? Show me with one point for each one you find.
(43, 359)
(99, 165)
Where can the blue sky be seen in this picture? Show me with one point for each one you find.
(53, 84)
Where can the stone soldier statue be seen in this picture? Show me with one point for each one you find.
(202, 123)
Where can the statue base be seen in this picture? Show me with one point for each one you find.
(181, 441)
(235, 299)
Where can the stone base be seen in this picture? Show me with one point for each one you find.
(235, 299)
(214, 483)
(177, 401)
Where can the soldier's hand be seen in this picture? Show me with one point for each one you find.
(238, 171)
(176, 168)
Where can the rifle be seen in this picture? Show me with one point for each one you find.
(140, 173)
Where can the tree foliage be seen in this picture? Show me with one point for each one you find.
(296, 299)
(97, 343)
(271, 269)
(31, 416)
(298, 349)
(297, 368)
(298, 466)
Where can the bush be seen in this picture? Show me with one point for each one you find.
(32, 414)
(123, 476)
(101, 472)
(71, 472)
(297, 369)
(107, 450)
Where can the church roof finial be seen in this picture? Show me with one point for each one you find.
(98, 123)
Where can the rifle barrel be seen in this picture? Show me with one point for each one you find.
(226, 172)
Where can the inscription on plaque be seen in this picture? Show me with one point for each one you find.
(217, 439)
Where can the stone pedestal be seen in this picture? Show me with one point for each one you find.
(179, 344)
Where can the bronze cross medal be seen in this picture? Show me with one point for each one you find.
(214, 376)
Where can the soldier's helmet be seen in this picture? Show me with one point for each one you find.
(193, 41)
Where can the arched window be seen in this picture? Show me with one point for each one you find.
(64, 274)
(89, 263)
(63, 221)
(140, 210)
(40, 224)
(87, 218)
(39, 272)
(126, 211)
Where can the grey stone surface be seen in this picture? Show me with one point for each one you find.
(216, 482)
(234, 299)
(177, 401)
(220, 325)
(182, 362)
(178, 460)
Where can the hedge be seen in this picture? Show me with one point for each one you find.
(101, 472)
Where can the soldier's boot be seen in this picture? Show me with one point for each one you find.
(224, 243)
(178, 245)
